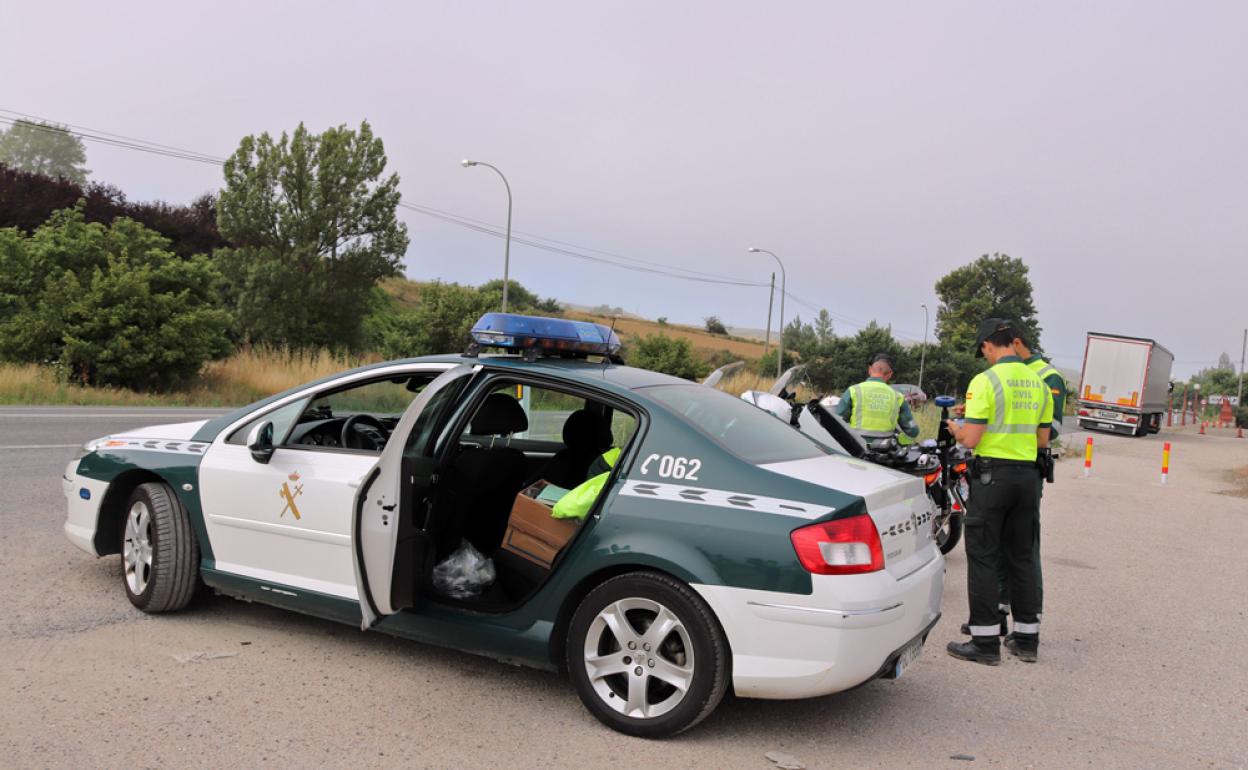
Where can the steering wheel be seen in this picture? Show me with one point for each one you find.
(351, 439)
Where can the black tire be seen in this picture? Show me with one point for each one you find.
(947, 537)
(168, 583)
(710, 666)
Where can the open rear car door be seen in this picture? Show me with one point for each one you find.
(390, 539)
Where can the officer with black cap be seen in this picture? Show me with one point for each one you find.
(1008, 413)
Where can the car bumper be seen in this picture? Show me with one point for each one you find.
(848, 631)
(83, 497)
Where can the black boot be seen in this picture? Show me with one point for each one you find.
(985, 650)
(1024, 647)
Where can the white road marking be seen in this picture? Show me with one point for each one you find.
(77, 415)
(40, 446)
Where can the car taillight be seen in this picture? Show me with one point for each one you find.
(1132, 418)
(1084, 412)
(842, 547)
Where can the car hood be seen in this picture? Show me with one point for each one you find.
(176, 430)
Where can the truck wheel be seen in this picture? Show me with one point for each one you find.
(647, 656)
(159, 554)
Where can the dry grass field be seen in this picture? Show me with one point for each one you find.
(701, 340)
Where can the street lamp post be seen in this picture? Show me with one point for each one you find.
(507, 243)
(771, 296)
(783, 285)
(923, 350)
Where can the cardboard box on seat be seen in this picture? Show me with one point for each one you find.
(533, 534)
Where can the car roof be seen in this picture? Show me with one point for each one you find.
(615, 377)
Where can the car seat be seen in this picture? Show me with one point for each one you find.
(586, 435)
(484, 480)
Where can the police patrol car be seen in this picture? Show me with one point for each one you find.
(725, 549)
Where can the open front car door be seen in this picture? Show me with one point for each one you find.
(390, 538)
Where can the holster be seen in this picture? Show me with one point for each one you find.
(1046, 464)
(982, 468)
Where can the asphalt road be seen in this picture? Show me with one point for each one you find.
(1141, 665)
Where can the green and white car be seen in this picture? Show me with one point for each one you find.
(725, 548)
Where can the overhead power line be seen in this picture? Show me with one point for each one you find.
(533, 240)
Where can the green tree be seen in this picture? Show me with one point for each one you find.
(439, 324)
(519, 299)
(991, 286)
(109, 305)
(714, 325)
(44, 148)
(823, 327)
(669, 355)
(314, 217)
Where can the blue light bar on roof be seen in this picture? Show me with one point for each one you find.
(551, 336)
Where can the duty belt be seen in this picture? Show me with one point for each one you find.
(997, 462)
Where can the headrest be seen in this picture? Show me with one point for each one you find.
(500, 415)
(587, 431)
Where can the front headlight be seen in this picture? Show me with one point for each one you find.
(89, 447)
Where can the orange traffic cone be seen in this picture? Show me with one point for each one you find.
(1202, 429)
(1239, 433)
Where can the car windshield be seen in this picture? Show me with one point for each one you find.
(745, 430)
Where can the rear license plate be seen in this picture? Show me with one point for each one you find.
(908, 656)
(1104, 415)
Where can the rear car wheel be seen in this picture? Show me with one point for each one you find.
(159, 554)
(647, 656)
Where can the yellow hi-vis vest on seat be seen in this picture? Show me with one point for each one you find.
(577, 502)
(876, 407)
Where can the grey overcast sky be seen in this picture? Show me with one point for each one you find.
(873, 146)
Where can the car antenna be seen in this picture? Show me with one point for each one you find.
(606, 359)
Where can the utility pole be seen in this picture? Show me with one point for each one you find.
(923, 350)
(1239, 396)
(771, 297)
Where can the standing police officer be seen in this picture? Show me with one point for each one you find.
(1008, 414)
(873, 409)
(1057, 387)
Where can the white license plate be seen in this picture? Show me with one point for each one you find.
(1104, 415)
(908, 656)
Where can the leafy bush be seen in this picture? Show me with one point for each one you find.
(108, 305)
(669, 355)
(714, 325)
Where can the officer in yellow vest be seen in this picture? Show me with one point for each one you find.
(1057, 388)
(873, 409)
(1008, 414)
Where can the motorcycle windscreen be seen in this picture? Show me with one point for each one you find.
(829, 424)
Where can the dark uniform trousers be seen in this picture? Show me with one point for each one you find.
(1002, 526)
(1003, 567)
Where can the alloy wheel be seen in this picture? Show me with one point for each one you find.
(137, 547)
(639, 658)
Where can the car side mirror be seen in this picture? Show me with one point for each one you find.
(260, 442)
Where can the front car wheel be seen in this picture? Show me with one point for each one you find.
(647, 656)
(159, 553)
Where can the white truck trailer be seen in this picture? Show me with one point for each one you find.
(1125, 386)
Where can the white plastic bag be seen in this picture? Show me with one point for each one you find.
(464, 574)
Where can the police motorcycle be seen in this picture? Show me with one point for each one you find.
(943, 465)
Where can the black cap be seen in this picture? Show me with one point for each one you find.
(987, 328)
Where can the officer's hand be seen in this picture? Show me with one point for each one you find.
(955, 430)
(959, 410)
